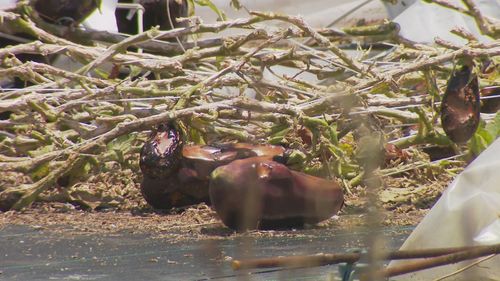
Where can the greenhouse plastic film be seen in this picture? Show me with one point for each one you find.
(467, 214)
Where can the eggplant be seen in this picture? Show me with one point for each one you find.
(177, 175)
(156, 12)
(167, 193)
(161, 153)
(200, 161)
(460, 107)
(259, 193)
(160, 160)
(65, 12)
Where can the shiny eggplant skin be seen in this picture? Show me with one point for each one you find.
(161, 154)
(177, 175)
(258, 193)
(460, 107)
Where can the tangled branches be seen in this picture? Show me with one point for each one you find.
(258, 85)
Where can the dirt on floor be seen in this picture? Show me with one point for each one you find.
(111, 202)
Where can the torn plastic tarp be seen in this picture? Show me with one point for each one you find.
(467, 214)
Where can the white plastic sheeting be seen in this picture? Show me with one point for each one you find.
(467, 214)
(423, 22)
(103, 19)
(420, 21)
(317, 13)
(7, 4)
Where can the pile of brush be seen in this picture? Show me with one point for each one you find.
(351, 104)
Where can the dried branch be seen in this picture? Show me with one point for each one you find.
(328, 259)
(452, 258)
(255, 84)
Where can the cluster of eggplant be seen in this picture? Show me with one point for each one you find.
(248, 185)
(163, 13)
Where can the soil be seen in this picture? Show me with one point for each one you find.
(111, 202)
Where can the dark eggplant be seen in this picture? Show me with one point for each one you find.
(66, 12)
(200, 161)
(157, 12)
(259, 193)
(161, 154)
(177, 175)
(460, 107)
(166, 193)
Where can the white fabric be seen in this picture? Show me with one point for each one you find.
(468, 213)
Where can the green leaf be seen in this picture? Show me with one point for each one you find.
(485, 135)
(381, 88)
(135, 71)
(278, 134)
(312, 123)
(101, 73)
(122, 143)
(280, 130)
(481, 140)
(196, 136)
(494, 126)
(40, 172)
(296, 157)
(332, 134)
(335, 151)
(41, 151)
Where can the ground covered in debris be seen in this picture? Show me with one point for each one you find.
(344, 101)
(404, 200)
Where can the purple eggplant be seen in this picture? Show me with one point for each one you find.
(161, 154)
(66, 12)
(177, 175)
(200, 161)
(259, 193)
(460, 107)
(163, 13)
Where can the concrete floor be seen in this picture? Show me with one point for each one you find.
(30, 254)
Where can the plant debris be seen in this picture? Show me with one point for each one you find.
(73, 137)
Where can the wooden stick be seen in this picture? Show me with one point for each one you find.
(451, 258)
(295, 261)
(326, 259)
